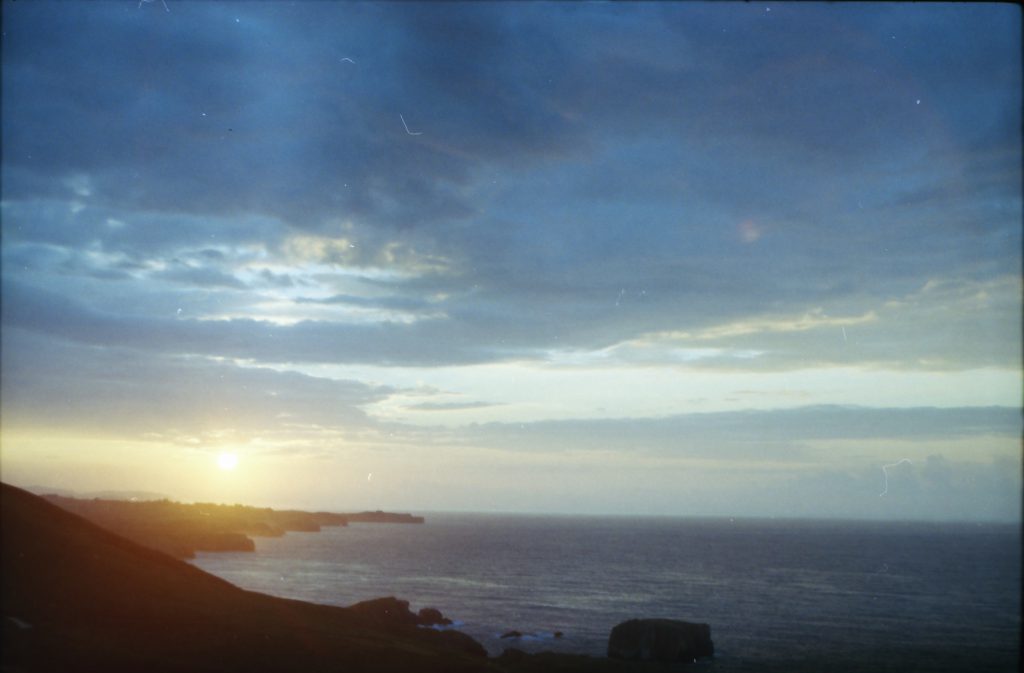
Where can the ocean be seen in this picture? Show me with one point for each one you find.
(779, 595)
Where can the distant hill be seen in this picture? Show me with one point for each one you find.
(382, 517)
(182, 529)
(106, 495)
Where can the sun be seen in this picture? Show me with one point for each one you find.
(227, 461)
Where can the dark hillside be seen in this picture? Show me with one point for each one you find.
(79, 598)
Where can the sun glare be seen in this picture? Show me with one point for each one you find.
(227, 461)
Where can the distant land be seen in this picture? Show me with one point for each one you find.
(383, 517)
(181, 529)
(78, 598)
(106, 495)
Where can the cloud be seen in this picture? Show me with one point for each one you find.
(448, 406)
(767, 435)
(814, 319)
(52, 314)
(122, 393)
(937, 488)
(200, 277)
(949, 325)
(193, 97)
(532, 202)
(944, 324)
(399, 303)
(680, 188)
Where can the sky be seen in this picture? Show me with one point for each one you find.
(730, 259)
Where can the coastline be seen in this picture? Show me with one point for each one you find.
(182, 529)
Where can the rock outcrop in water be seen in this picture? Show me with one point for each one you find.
(393, 610)
(432, 617)
(663, 640)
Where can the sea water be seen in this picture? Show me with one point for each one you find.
(779, 595)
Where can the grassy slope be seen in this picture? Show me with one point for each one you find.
(97, 602)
